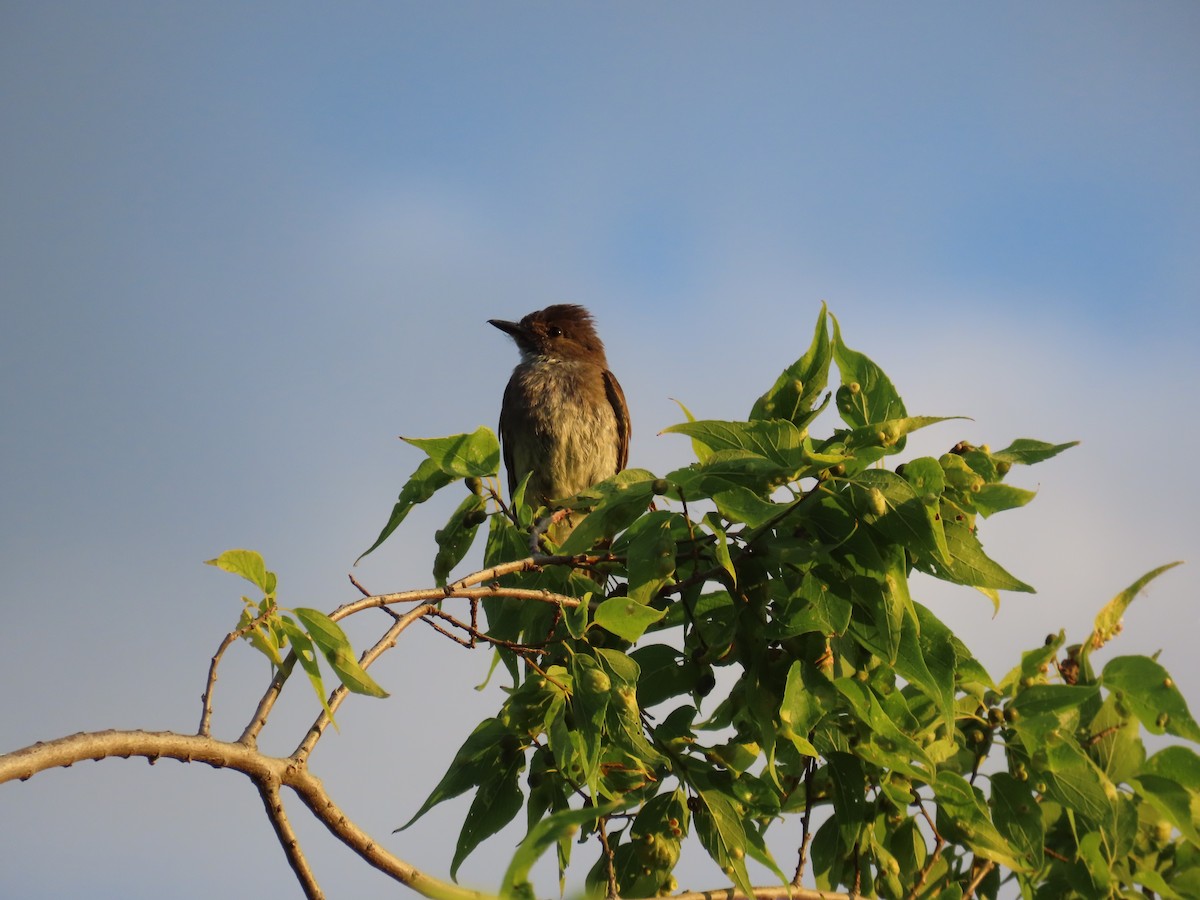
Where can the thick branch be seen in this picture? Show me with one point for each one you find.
(263, 770)
(152, 745)
(308, 787)
(273, 803)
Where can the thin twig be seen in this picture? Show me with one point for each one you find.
(1101, 735)
(476, 634)
(259, 720)
(979, 876)
(493, 488)
(426, 595)
(939, 845)
(806, 834)
(206, 712)
(774, 892)
(459, 588)
(268, 790)
(609, 859)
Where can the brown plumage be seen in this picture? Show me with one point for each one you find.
(564, 417)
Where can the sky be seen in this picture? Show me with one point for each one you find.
(243, 248)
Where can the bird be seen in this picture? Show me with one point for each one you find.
(563, 420)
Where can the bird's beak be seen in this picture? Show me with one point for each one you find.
(512, 329)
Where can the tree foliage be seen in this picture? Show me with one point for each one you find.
(745, 648)
(733, 645)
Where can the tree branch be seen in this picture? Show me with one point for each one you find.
(312, 794)
(262, 769)
(775, 892)
(461, 588)
(273, 803)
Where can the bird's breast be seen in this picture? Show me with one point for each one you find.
(571, 441)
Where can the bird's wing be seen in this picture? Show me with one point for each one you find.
(616, 397)
(506, 444)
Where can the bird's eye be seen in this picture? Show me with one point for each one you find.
(554, 331)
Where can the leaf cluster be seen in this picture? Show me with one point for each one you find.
(747, 647)
(272, 630)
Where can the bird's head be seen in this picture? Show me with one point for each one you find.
(563, 331)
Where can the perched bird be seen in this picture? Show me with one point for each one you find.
(564, 417)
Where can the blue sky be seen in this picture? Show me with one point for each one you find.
(242, 249)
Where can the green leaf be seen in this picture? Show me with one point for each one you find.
(428, 478)
(971, 566)
(995, 497)
(721, 827)
(777, 440)
(702, 452)
(1116, 741)
(1032, 662)
(463, 455)
(1054, 699)
(644, 861)
(1017, 817)
(897, 603)
(626, 618)
(799, 385)
(589, 700)
(742, 505)
(888, 745)
(1091, 855)
(1152, 880)
(615, 504)
(261, 636)
(456, 538)
(649, 548)
(505, 542)
(801, 708)
(866, 395)
(926, 476)
(1108, 620)
(926, 659)
(889, 504)
(248, 564)
(848, 782)
(965, 807)
(545, 834)
(664, 674)
(1173, 801)
(332, 641)
(889, 433)
(1179, 764)
(722, 471)
(812, 607)
(1026, 452)
(477, 760)
(496, 803)
(1076, 782)
(1152, 694)
(302, 646)
(721, 548)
